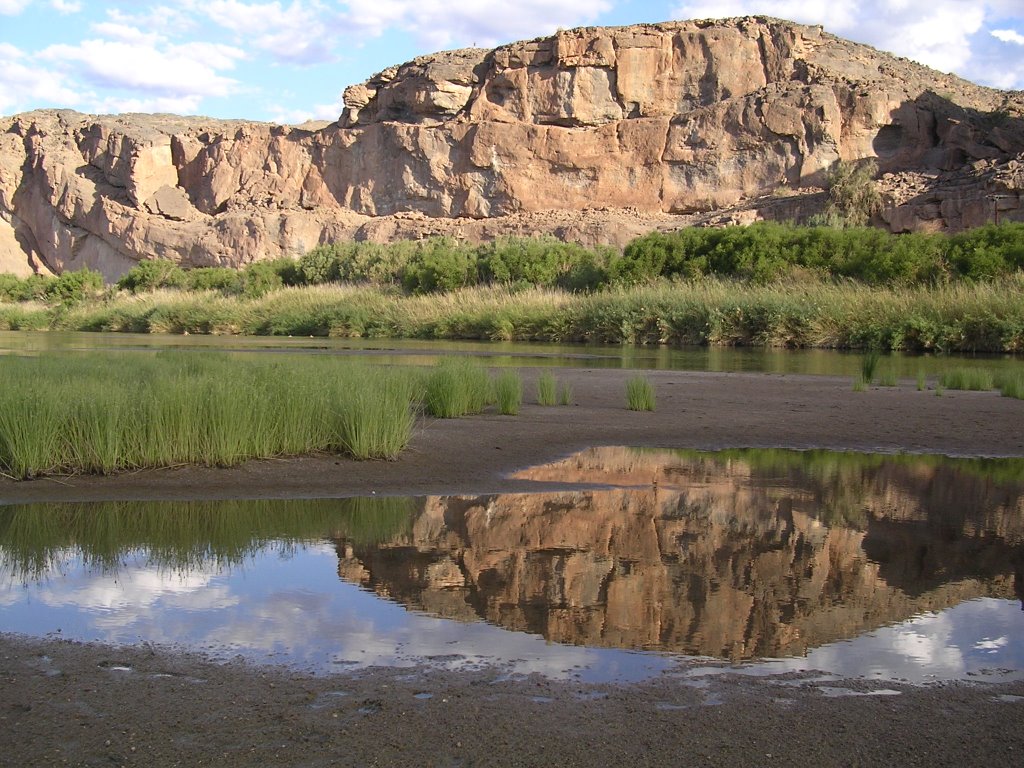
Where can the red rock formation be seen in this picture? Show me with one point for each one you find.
(594, 134)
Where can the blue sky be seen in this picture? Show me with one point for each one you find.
(289, 60)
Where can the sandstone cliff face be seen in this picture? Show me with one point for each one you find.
(592, 134)
(714, 559)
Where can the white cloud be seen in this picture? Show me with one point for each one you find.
(1008, 36)
(25, 84)
(300, 32)
(150, 65)
(126, 33)
(12, 7)
(66, 6)
(441, 23)
(943, 34)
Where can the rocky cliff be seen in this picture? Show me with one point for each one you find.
(593, 134)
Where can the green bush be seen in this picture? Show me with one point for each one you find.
(73, 287)
(765, 252)
(223, 279)
(440, 265)
(319, 265)
(13, 288)
(151, 274)
(260, 278)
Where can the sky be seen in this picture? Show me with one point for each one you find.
(288, 61)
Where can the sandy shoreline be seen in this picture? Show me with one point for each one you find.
(64, 703)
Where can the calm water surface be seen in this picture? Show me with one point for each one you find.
(759, 562)
(411, 352)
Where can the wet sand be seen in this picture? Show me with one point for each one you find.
(70, 704)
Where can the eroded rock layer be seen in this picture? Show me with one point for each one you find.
(594, 134)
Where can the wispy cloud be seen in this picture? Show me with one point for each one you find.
(441, 23)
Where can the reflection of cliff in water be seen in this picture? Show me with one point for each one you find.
(735, 555)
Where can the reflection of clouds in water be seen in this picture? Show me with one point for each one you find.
(927, 642)
(297, 610)
(991, 645)
(951, 645)
(293, 608)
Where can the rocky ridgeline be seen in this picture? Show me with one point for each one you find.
(595, 135)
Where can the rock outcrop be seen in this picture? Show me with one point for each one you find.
(594, 134)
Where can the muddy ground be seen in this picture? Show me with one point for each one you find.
(71, 704)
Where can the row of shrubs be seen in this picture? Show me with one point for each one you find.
(761, 253)
(766, 252)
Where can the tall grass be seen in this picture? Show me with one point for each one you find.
(547, 389)
(1012, 387)
(108, 412)
(962, 317)
(868, 365)
(456, 387)
(639, 394)
(975, 379)
(508, 393)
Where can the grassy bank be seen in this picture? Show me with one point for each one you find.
(961, 317)
(105, 413)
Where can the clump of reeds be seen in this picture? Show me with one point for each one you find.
(868, 366)
(508, 393)
(547, 389)
(639, 394)
(1012, 385)
(456, 387)
(976, 379)
(375, 425)
(565, 394)
(888, 378)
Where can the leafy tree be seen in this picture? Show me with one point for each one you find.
(852, 196)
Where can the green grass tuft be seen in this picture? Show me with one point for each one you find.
(455, 388)
(508, 393)
(639, 394)
(1013, 386)
(547, 389)
(868, 365)
(565, 394)
(888, 378)
(975, 379)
